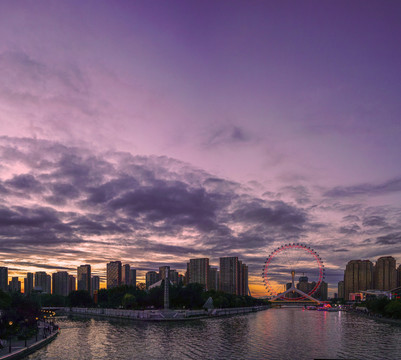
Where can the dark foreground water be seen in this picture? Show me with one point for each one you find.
(273, 334)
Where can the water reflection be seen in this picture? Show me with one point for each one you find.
(272, 334)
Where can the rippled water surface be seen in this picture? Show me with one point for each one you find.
(272, 334)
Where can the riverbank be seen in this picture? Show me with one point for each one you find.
(376, 317)
(162, 315)
(19, 350)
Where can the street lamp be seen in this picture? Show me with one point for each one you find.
(9, 347)
(26, 328)
(37, 328)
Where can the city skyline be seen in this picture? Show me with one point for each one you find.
(385, 275)
(156, 133)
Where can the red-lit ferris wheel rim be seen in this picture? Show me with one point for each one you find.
(308, 249)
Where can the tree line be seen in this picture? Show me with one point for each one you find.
(385, 307)
(191, 296)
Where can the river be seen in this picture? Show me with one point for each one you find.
(287, 333)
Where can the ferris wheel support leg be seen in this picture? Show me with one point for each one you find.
(294, 289)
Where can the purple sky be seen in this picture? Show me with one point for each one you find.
(154, 132)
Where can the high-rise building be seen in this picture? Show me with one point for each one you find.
(399, 276)
(60, 283)
(15, 284)
(199, 271)
(151, 278)
(358, 276)
(242, 279)
(125, 275)
(341, 289)
(322, 292)
(173, 276)
(229, 274)
(84, 278)
(213, 279)
(385, 273)
(48, 283)
(95, 284)
(163, 270)
(42, 282)
(186, 276)
(71, 283)
(304, 285)
(132, 277)
(28, 283)
(113, 274)
(4, 278)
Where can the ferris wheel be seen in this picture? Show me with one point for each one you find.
(288, 261)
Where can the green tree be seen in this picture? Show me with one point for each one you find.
(155, 297)
(5, 300)
(52, 300)
(393, 309)
(103, 298)
(378, 305)
(129, 301)
(80, 298)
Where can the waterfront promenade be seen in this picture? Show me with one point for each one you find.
(20, 348)
(161, 315)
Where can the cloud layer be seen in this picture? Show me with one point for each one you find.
(63, 206)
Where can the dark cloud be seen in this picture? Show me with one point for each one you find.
(390, 239)
(277, 214)
(25, 182)
(340, 250)
(229, 134)
(349, 230)
(390, 186)
(374, 221)
(174, 203)
(351, 218)
(28, 264)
